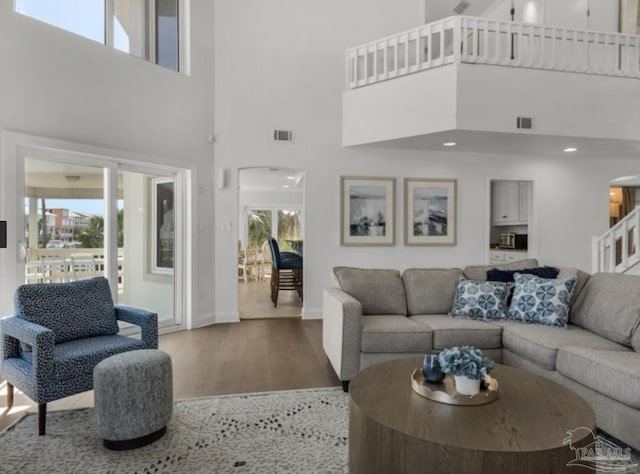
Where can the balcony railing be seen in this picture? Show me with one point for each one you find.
(463, 39)
(61, 265)
(617, 250)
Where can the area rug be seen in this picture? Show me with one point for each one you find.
(302, 431)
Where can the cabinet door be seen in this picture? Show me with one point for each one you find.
(504, 206)
(524, 191)
(496, 257)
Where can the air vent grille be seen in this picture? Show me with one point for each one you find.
(283, 135)
(461, 7)
(525, 123)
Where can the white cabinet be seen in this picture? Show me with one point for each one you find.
(505, 256)
(524, 200)
(510, 201)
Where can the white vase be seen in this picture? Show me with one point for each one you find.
(466, 386)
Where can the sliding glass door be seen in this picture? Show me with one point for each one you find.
(86, 217)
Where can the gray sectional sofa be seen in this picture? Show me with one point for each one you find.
(370, 316)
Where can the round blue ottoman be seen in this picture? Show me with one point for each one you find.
(133, 394)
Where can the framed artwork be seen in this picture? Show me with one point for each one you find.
(429, 211)
(162, 225)
(629, 16)
(367, 210)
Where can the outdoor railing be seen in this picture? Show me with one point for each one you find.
(463, 39)
(617, 250)
(60, 265)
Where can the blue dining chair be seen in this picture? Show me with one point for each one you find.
(286, 271)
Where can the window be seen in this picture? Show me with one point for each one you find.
(85, 18)
(148, 29)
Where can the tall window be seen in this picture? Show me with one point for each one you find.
(149, 29)
(82, 17)
(167, 33)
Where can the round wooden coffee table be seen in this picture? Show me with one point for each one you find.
(392, 429)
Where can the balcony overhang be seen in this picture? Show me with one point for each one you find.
(584, 90)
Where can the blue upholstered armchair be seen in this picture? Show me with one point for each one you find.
(59, 332)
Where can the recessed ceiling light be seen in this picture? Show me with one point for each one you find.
(285, 186)
(291, 177)
(570, 150)
(449, 144)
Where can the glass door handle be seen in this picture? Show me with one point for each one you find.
(22, 252)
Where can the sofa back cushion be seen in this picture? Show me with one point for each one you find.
(583, 277)
(479, 272)
(73, 310)
(379, 291)
(430, 291)
(635, 340)
(609, 305)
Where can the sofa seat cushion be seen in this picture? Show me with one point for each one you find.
(392, 333)
(615, 374)
(609, 305)
(450, 332)
(72, 310)
(430, 291)
(540, 344)
(379, 291)
(82, 355)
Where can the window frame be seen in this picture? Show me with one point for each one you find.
(184, 63)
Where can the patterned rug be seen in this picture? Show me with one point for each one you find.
(302, 431)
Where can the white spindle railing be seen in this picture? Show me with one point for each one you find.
(463, 39)
(618, 250)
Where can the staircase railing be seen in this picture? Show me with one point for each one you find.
(618, 249)
(464, 39)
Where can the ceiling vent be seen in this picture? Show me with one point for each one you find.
(283, 135)
(461, 7)
(525, 123)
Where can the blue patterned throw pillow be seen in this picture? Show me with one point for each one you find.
(542, 300)
(480, 300)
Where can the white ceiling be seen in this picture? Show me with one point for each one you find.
(270, 179)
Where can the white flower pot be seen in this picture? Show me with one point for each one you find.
(466, 386)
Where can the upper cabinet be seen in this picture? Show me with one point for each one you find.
(510, 202)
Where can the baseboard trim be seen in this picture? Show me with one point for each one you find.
(312, 313)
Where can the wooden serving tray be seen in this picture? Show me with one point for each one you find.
(445, 392)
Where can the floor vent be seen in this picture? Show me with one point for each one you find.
(525, 123)
(283, 135)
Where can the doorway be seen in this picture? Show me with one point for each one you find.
(271, 205)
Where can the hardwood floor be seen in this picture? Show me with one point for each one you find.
(250, 356)
(254, 301)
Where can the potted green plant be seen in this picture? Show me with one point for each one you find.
(467, 365)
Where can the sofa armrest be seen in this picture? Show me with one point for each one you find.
(147, 321)
(341, 331)
(15, 330)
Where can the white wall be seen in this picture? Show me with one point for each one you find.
(272, 71)
(58, 85)
(488, 98)
(561, 103)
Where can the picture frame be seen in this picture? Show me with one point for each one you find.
(430, 211)
(162, 226)
(367, 213)
(629, 20)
